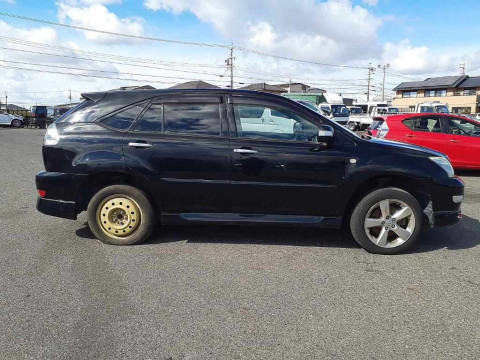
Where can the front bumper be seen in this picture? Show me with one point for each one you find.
(445, 201)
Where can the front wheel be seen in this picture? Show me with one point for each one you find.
(352, 126)
(16, 123)
(387, 221)
(120, 215)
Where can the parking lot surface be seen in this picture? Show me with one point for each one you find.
(226, 292)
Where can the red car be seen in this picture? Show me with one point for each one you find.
(456, 136)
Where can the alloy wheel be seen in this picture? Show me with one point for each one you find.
(389, 223)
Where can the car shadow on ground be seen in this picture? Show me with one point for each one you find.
(464, 235)
(472, 173)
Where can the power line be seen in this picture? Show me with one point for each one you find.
(109, 62)
(106, 71)
(256, 52)
(138, 37)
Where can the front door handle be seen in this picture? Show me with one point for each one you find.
(245, 151)
(410, 135)
(454, 141)
(137, 144)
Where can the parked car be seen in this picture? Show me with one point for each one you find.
(11, 120)
(454, 135)
(39, 116)
(134, 158)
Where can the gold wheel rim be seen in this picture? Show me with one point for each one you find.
(119, 216)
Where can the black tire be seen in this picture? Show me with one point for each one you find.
(357, 220)
(352, 126)
(17, 123)
(147, 219)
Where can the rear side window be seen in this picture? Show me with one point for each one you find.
(375, 125)
(152, 120)
(424, 124)
(194, 119)
(123, 119)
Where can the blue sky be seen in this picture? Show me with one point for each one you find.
(417, 38)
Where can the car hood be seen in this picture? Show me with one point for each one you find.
(406, 147)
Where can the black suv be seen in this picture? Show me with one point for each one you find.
(134, 158)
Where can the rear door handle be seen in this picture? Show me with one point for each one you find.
(410, 135)
(454, 141)
(245, 151)
(139, 144)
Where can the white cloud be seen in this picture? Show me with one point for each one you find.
(97, 16)
(370, 2)
(334, 30)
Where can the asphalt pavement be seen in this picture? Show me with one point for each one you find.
(226, 292)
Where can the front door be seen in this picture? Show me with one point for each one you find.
(426, 131)
(282, 170)
(464, 142)
(179, 147)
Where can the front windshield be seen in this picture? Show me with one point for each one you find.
(442, 109)
(427, 109)
(339, 110)
(355, 111)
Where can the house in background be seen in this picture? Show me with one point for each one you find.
(460, 93)
(264, 87)
(197, 84)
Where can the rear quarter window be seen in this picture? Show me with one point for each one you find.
(122, 120)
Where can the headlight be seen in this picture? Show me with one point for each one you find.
(51, 136)
(444, 163)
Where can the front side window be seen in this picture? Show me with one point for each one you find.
(264, 122)
(424, 124)
(124, 119)
(464, 127)
(194, 119)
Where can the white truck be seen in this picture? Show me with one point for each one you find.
(432, 107)
(360, 120)
(334, 108)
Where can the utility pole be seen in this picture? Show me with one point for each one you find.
(371, 71)
(70, 96)
(6, 102)
(462, 68)
(229, 63)
(384, 67)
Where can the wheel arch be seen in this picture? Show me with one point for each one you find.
(411, 185)
(96, 181)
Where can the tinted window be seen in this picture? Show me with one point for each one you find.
(424, 124)
(202, 119)
(123, 119)
(273, 123)
(151, 120)
(464, 127)
(375, 125)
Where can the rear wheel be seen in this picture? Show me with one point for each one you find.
(387, 221)
(352, 126)
(16, 123)
(120, 215)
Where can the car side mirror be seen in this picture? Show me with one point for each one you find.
(325, 134)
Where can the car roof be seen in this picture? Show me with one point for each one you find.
(138, 95)
(401, 117)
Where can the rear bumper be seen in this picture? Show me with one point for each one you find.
(58, 208)
(61, 193)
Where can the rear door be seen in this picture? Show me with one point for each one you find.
(179, 147)
(425, 131)
(464, 142)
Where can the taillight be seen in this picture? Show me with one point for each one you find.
(383, 130)
(42, 193)
(51, 136)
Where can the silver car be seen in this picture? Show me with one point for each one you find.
(11, 120)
